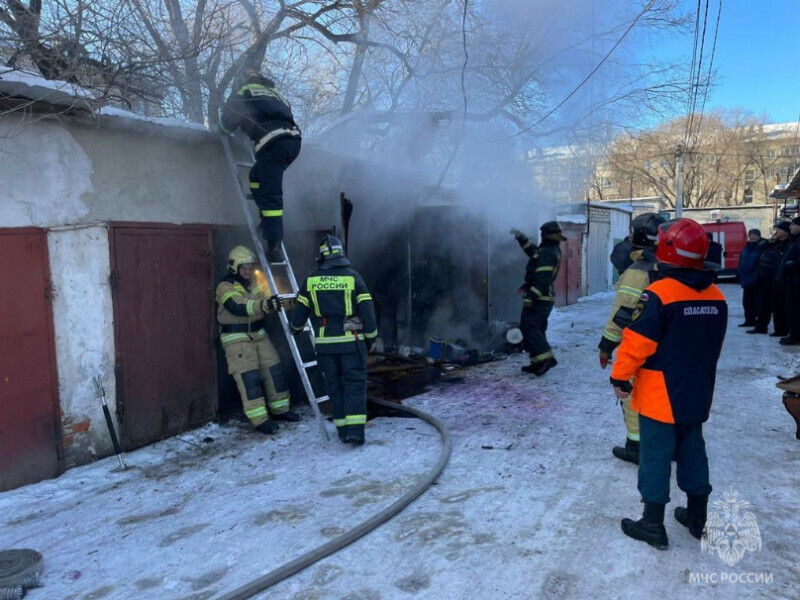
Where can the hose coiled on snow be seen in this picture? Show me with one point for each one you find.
(306, 560)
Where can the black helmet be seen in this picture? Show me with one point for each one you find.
(331, 253)
(552, 231)
(644, 229)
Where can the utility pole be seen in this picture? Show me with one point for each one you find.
(679, 181)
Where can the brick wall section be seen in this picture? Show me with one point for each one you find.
(76, 441)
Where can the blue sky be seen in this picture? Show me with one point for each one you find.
(757, 59)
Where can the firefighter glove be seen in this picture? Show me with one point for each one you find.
(516, 233)
(273, 304)
(604, 358)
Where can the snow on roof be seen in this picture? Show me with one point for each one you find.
(788, 190)
(29, 85)
(32, 86)
(780, 130)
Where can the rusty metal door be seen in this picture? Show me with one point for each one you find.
(166, 375)
(30, 426)
(568, 282)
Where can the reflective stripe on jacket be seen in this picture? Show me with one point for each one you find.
(240, 306)
(331, 298)
(630, 286)
(541, 270)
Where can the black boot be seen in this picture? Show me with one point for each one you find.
(694, 515)
(756, 330)
(274, 253)
(531, 368)
(630, 453)
(778, 334)
(268, 427)
(354, 434)
(289, 416)
(650, 528)
(746, 324)
(543, 366)
(789, 341)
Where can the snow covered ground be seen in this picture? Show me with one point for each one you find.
(529, 506)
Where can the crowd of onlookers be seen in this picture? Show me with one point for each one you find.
(769, 273)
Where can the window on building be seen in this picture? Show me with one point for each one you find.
(786, 150)
(795, 149)
(771, 153)
(664, 163)
(647, 166)
(605, 182)
(748, 195)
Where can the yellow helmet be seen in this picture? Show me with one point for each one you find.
(241, 255)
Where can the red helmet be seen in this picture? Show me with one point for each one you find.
(682, 243)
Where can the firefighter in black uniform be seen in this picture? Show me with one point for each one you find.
(336, 299)
(266, 116)
(538, 293)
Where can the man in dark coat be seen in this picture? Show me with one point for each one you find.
(748, 263)
(770, 294)
(714, 251)
(789, 278)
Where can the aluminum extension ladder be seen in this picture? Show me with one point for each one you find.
(302, 366)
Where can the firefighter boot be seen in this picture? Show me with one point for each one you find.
(354, 434)
(268, 427)
(543, 366)
(289, 416)
(693, 516)
(274, 253)
(630, 453)
(650, 528)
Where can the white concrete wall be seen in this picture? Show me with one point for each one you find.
(84, 337)
(45, 175)
(69, 172)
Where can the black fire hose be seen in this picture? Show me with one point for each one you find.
(306, 560)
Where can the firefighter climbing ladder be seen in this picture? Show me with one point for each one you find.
(236, 167)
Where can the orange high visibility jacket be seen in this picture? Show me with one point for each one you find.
(672, 346)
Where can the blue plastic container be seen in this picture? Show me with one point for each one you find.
(436, 348)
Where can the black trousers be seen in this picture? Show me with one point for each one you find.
(346, 383)
(780, 317)
(658, 442)
(764, 303)
(533, 324)
(266, 184)
(793, 308)
(750, 303)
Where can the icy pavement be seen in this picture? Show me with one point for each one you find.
(529, 506)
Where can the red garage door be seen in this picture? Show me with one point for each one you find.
(568, 282)
(29, 416)
(166, 374)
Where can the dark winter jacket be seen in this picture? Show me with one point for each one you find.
(770, 262)
(331, 297)
(621, 255)
(790, 263)
(714, 253)
(260, 110)
(672, 346)
(748, 262)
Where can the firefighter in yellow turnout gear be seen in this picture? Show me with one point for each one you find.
(242, 305)
(630, 286)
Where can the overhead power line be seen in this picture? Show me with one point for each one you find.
(588, 77)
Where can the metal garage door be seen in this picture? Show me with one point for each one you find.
(166, 374)
(30, 427)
